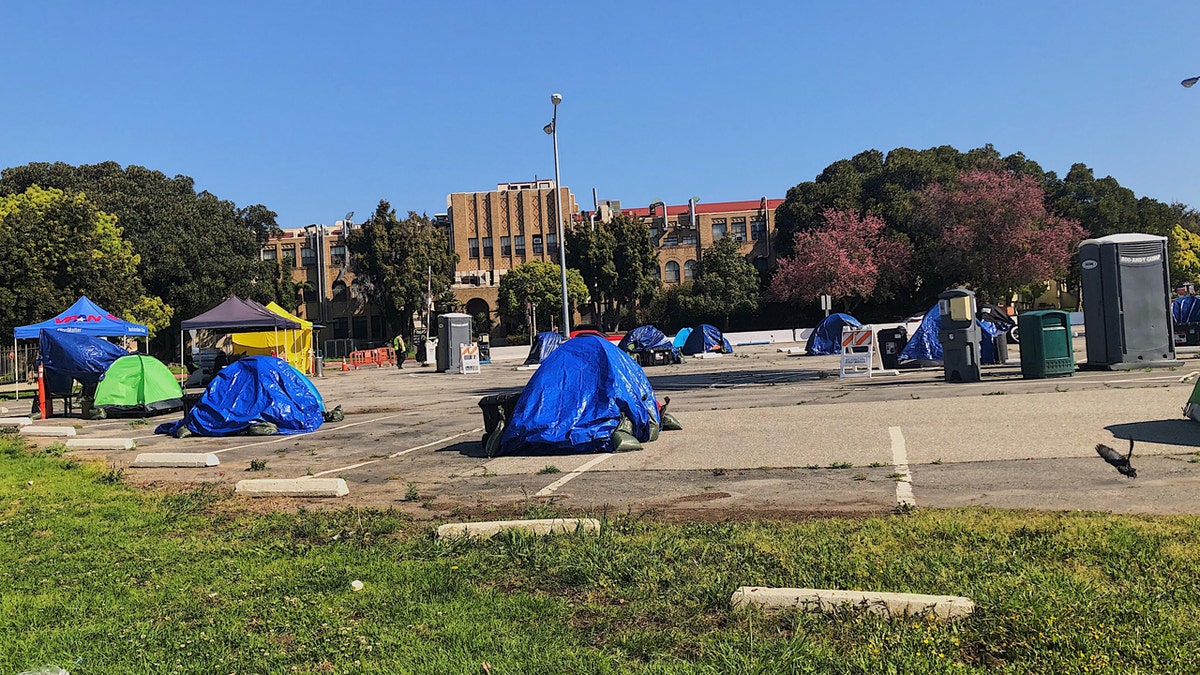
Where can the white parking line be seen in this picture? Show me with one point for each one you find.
(394, 454)
(549, 489)
(904, 493)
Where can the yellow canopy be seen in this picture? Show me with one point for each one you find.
(295, 346)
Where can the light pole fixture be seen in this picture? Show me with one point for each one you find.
(552, 129)
(1190, 81)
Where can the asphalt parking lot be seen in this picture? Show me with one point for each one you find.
(766, 434)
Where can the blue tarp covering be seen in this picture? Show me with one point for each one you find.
(644, 339)
(1186, 309)
(74, 356)
(924, 345)
(705, 338)
(84, 317)
(543, 343)
(576, 399)
(254, 389)
(681, 337)
(826, 338)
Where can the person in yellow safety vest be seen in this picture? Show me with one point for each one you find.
(401, 352)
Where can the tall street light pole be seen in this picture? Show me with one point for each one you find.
(552, 129)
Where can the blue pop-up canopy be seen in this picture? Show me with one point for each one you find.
(826, 338)
(577, 398)
(87, 318)
(250, 390)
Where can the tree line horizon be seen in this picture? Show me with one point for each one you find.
(882, 233)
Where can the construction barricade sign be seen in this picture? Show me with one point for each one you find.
(468, 358)
(858, 352)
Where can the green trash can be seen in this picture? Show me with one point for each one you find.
(1046, 349)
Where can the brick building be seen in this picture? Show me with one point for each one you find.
(496, 230)
(682, 232)
(350, 323)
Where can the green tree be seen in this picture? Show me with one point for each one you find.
(55, 247)
(193, 248)
(1183, 248)
(618, 263)
(539, 282)
(396, 261)
(725, 284)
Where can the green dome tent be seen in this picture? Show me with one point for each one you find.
(138, 383)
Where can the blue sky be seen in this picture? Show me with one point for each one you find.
(316, 109)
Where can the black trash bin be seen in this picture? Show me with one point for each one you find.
(496, 408)
(891, 343)
(1192, 330)
(1001, 343)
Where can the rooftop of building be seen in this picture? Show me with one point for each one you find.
(708, 207)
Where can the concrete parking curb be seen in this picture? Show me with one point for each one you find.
(537, 527)
(15, 421)
(825, 600)
(47, 431)
(179, 460)
(101, 443)
(293, 487)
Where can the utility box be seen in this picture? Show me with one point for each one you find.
(1126, 302)
(454, 330)
(1046, 347)
(891, 343)
(959, 335)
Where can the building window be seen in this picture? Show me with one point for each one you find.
(270, 253)
(689, 270)
(289, 255)
(308, 256)
(672, 272)
(658, 272)
(473, 247)
(719, 228)
(537, 244)
(519, 244)
(689, 238)
(552, 244)
(505, 245)
(337, 255)
(758, 228)
(739, 229)
(487, 247)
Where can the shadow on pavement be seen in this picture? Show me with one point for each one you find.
(1167, 432)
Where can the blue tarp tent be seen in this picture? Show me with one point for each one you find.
(1186, 309)
(577, 398)
(826, 338)
(704, 339)
(543, 343)
(86, 318)
(681, 337)
(250, 390)
(647, 338)
(75, 356)
(924, 345)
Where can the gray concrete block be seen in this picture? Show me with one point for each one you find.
(47, 431)
(538, 527)
(175, 460)
(15, 421)
(101, 443)
(293, 487)
(825, 600)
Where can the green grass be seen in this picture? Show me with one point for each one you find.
(99, 577)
